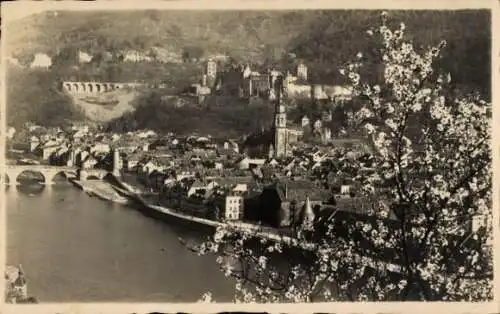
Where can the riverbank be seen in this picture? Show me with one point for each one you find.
(254, 230)
(101, 189)
(172, 215)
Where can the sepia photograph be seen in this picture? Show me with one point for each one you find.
(265, 155)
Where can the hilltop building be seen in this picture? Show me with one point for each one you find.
(211, 68)
(209, 75)
(84, 57)
(41, 60)
(302, 72)
(244, 82)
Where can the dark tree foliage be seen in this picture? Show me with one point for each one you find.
(339, 35)
(34, 96)
(233, 119)
(192, 52)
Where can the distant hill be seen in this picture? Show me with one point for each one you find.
(322, 39)
(243, 34)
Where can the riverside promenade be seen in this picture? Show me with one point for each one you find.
(101, 189)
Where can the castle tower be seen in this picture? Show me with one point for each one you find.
(302, 72)
(117, 163)
(280, 132)
(211, 70)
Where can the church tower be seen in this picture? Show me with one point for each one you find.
(280, 131)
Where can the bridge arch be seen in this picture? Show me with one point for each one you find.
(52, 176)
(91, 87)
(4, 179)
(41, 176)
(45, 174)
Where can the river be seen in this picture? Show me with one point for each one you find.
(77, 248)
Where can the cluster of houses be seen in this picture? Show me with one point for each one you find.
(80, 145)
(212, 179)
(153, 54)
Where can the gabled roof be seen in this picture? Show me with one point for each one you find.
(197, 184)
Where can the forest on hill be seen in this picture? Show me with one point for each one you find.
(323, 39)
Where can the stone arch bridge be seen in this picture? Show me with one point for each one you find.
(48, 173)
(95, 87)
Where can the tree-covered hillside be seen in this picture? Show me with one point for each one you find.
(324, 40)
(230, 119)
(338, 36)
(34, 96)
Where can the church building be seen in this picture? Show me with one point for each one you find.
(276, 141)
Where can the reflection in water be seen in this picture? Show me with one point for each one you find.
(30, 177)
(77, 248)
(28, 188)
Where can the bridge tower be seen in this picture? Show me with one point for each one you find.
(117, 163)
(72, 158)
(82, 174)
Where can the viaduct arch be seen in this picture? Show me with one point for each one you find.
(93, 87)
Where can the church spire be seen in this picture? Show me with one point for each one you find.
(279, 124)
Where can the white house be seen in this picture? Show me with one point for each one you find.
(80, 127)
(132, 163)
(247, 72)
(100, 148)
(41, 60)
(115, 137)
(345, 189)
(84, 57)
(196, 187)
(273, 162)
(317, 124)
(240, 188)
(34, 142)
(150, 166)
(305, 121)
(234, 207)
(136, 56)
(245, 163)
(185, 175)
